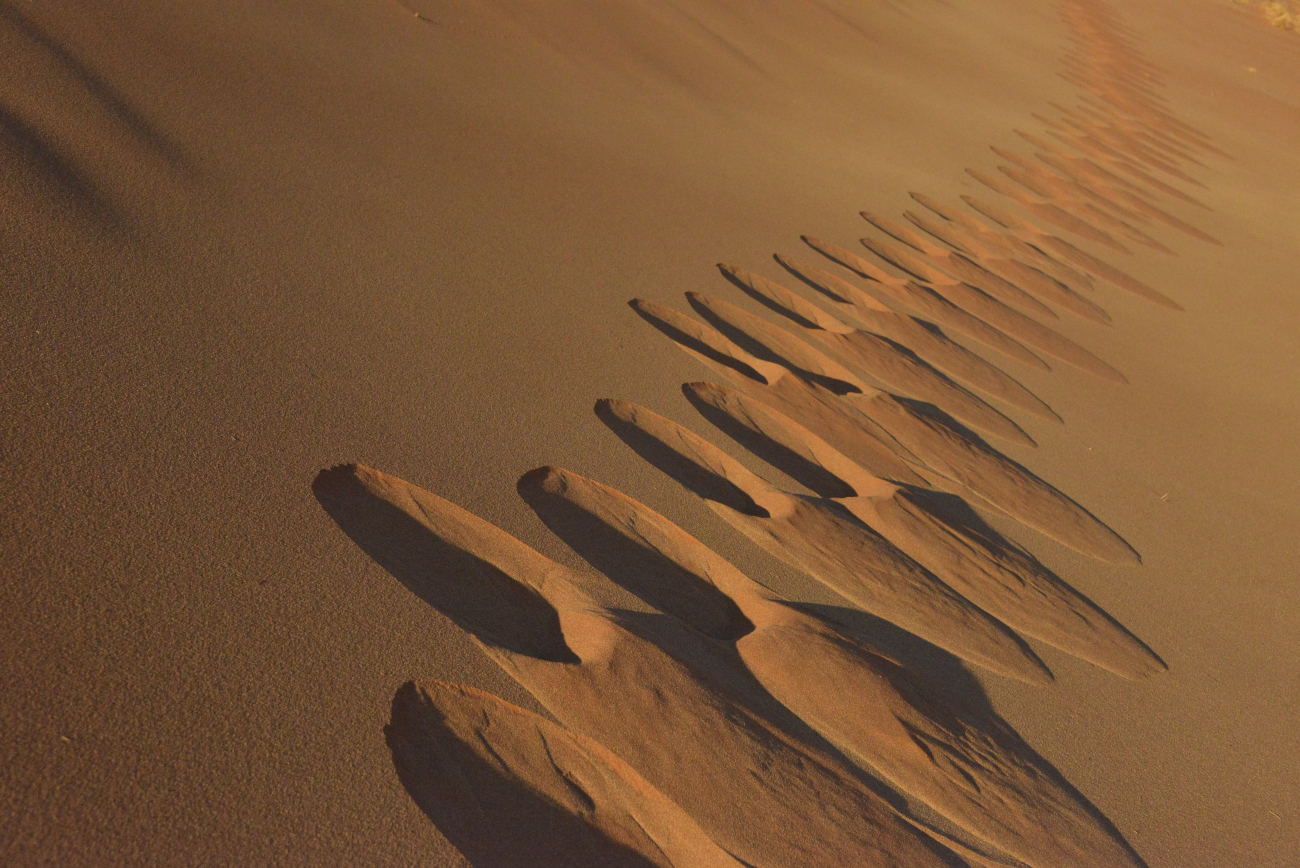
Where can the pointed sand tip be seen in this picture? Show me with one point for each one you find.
(537, 478)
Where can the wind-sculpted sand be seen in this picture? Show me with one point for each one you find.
(760, 795)
(1028, 331)
(924, 338)
(511, 789)
(825, 541)
(814, 406)
(938, 265)
(945, 537)
(1030, 277)
(1050, 212)
(879, 358)
(970, 768)
(939, 442)
(926, 303)
(983, 240)
(1098, 268)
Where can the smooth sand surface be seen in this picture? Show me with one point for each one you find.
(244, 242)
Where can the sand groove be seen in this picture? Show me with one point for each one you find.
(1031, 278)
(818, 409)
(949, 540)
(1097, 267)
(938, 265)
(999, 242)
(1049, 211)
(942, 445)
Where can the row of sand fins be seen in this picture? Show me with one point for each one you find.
(734, 724)
(730, 726)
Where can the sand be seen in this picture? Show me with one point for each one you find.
(244, 243)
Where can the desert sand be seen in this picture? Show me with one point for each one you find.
(650, 433)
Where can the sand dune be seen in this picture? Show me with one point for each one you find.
(240, 242)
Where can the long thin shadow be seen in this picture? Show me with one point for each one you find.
(759, 350)
(702, 483)
(97, 87)
(491, 816)
(642, 570)
(42, 158)
(695, 345)
(813, 476)
(473, 593)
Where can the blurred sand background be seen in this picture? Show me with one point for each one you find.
(241, 242)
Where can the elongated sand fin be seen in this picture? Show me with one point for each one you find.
(899, 232)
(904, 261)
(846, 297)
(947, 234)
(1018, 326)
(695, 463)
(785, 302)
(851, 261)
(1024, 275)
(794, 353)
(788, 434)
(963, 221)
(509, 788)
(642, 551)
(1005, 580)
(706, 341)
(477, 575)
(929, 305)
(1002, 217)
(829, 544)
(1099, 268)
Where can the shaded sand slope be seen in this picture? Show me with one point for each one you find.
(245, 242)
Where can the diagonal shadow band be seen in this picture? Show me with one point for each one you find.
(472, 592)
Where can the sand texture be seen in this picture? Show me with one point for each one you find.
(643, 433)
